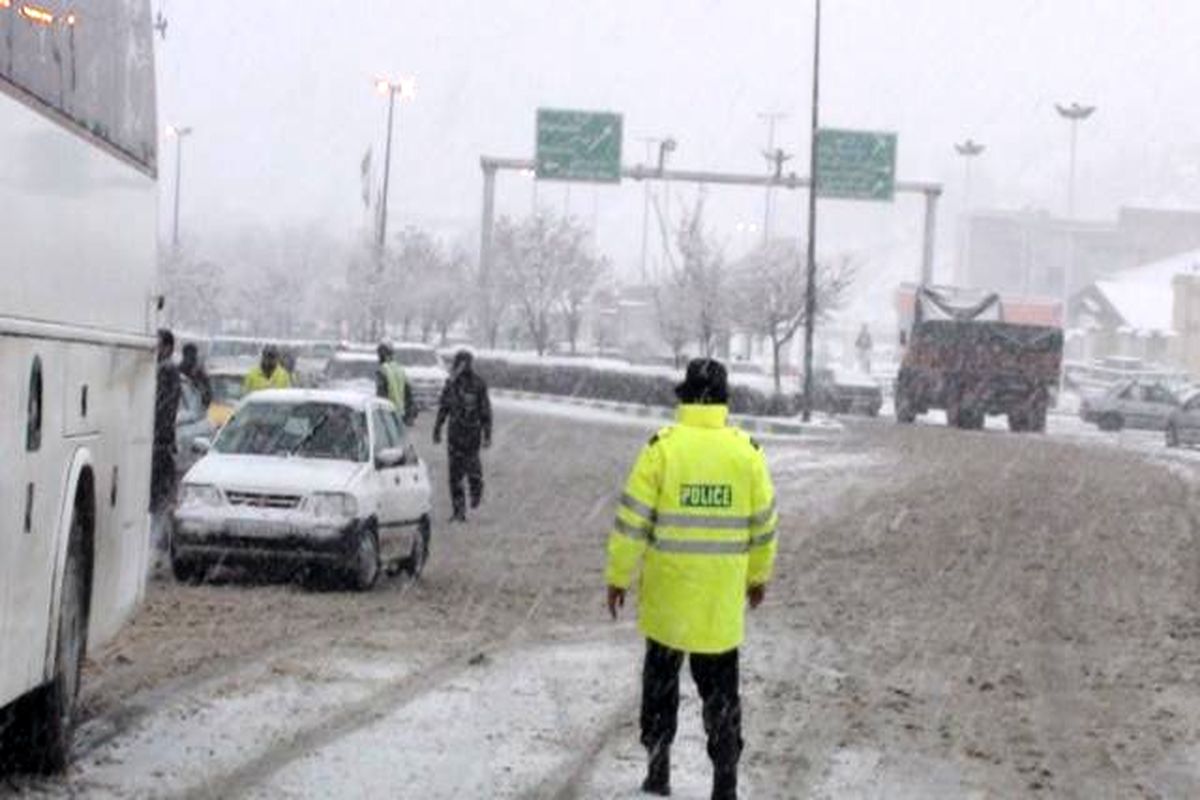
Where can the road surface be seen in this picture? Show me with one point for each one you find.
(956, 614)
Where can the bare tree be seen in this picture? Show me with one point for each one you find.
(544, 267)
(769, 287)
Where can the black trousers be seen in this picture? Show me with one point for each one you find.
(716, 678)
(465, 463)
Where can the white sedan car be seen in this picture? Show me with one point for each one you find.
(306, 477)
(355, 370)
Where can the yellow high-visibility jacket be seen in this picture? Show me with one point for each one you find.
(698, 514)
(255, 380)
(396, 379)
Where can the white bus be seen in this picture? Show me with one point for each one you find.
(77, 359)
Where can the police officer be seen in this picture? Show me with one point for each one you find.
(267, 374)
(698, 516)
(465, 404)
(391, 383)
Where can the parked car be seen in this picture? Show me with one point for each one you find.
(1183, 426)
(306, 477)
(191, 422)
(842, 391)
(1130, 404)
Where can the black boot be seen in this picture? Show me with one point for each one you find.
(658, 775)
(724, 784)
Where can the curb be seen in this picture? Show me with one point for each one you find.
(774, 427)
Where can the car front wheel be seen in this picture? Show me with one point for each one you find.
(362, 567)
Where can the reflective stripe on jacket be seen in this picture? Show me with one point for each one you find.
(256, 381)
(698, 514)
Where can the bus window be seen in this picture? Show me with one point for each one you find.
(33, 413)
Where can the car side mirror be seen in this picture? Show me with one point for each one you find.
(201, 445)
(391, 457)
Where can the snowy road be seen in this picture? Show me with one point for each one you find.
(956, 615)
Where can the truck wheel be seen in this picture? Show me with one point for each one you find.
(1017, 422)
(362, 564)
(41, 734)
(1110, 422)
(1037, 419)
(905, 414)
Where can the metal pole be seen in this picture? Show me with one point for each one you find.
(487, 223)
(1071, 175)
(772, 117)
(178, 174)
(650, 142)
(810, 290)
(931, 200)
(387, 171)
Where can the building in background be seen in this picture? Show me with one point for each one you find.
(1027, 252)
(1149, 315)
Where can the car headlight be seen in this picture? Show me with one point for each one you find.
(333, 505)
(200, 495)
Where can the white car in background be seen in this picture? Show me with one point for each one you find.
(306, 477)
(355, 370)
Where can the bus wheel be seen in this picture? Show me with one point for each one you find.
(47, 718)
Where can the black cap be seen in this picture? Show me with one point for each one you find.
(706, 383)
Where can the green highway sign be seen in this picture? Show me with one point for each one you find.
(856, 165)
(578, 145)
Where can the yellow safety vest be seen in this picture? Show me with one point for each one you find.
(698, 514)
(255, 380)
(396, 380)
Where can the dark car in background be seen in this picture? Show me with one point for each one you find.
(838, 390)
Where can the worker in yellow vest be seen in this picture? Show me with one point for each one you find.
(267, 374)
(698, 517)
(391, 383)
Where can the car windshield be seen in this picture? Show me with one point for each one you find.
(347, 369)
(303, 430)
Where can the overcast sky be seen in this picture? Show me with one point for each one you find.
(280, 95)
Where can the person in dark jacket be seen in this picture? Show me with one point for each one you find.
(162, 466)
(466, 405)
(191, 368)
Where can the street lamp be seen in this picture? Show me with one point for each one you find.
(179, 133)
(969, 150)
(406, 88)
(1074, 113)
(774, 162)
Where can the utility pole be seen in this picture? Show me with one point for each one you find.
(771, 118)
(810, 290)
(406, 88)
(969, 150)
(179, 134)
(649, 141)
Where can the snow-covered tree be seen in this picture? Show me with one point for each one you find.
(769, 287)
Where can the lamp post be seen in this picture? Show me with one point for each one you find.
(1074, 113)
(180, 133)
(649, 141)
(810, 285)
(406, 89)
(772, 118)
(665, 148)
(969, 150)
